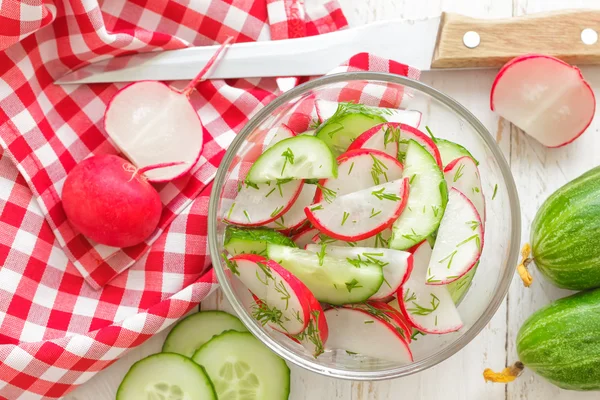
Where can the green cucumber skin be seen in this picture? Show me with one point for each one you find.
(561, 342)
(253, 241)
(565, 234)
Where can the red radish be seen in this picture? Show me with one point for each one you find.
(395, 264)
(325, 110)
(430, 309)
(463, 175)
(314, 337)
(259, 204)
(359, 169)
(458, 243)
(284, 300)
(303, 238)
(389, 314)
(277, 134)
(242, 293)
(153, 123)
(362, 214)
(545, 97)
(359, 332)
(379, 240)
(383, 137)
(407, 133)
(295, 217)
(110, 201)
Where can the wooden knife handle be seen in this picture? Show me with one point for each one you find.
(556, 34)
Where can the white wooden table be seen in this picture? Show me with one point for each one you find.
(538, 172)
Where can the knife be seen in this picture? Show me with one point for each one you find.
(449, 41)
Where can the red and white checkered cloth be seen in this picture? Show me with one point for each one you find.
(60, 321)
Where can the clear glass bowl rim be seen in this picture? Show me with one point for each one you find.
(313, 365)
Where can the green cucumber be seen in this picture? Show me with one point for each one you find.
(298, 157)
(166, 376)
(332, 280)
(458, 289)
(241, 367)
(427, 199)
(565, 234)
(193, 331)
(451, 151)
(561, 342)
(252, 241)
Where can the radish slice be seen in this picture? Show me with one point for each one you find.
(430, 309)
(295, 216)
(326, 109)
(259, 204)
(362, 214)
(284, 300)
(314, 337)
(463, 175)
(408, 133)
(386, 312)
(545, 97)
(303, 238)
(380, 240)
(382, 137)
(459, 241)
(357, 170)
(395, 264)
(277, 134)
(359, 332)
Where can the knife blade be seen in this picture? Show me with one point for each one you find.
(447, 41)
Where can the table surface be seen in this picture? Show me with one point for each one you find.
(538, 172)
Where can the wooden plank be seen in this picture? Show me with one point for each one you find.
(539, 172)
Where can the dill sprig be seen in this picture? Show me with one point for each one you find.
(385, 196)
(328, 194)
(422, 310)
(288, 154)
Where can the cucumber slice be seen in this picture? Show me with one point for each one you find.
(166, 376)
(252, 241)
(450, 151)
(299, 157)
(193, 331)
(332, 280)
(459, 287)
(241, 367)
(426, 200)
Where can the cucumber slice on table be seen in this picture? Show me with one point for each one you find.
(241, 367)
(427, 199)
(332, 280)
(253, 241)
(451, 151)
(166, 376)
(299, 157)
(193, 331)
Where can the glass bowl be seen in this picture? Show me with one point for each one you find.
(447, 119)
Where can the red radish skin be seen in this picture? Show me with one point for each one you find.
(315, 220)
(108, 200)
(314, 339)
(463, 174)
(374, 139)
(251, 269)
(586, 98)
(295, 217)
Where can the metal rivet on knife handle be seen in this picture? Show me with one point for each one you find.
(589, 36)
(471, 39)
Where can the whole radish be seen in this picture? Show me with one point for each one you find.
(110, 201)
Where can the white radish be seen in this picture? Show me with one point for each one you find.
(359, 332)
(359, 169)
(463, 175)
(545, 97)
(396, 265)
(284, 302)
(314, 337)
(326, 109)
(277, 134)
(362, 214)
(305, 237)
(153, 123)
(392, 315)
(295, 216)
(458, 243)
(259, 204)
(428, 308)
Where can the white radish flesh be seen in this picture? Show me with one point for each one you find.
(277, 134)
(389, 314)
(429, 308)
(362, 214)
(396, 265)
(545, 97)
(305, 237)
(357, 170)
(463, 175)
(458, 243)
(359, 332)
(295, 216)
(283, 299)
(314, 337)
